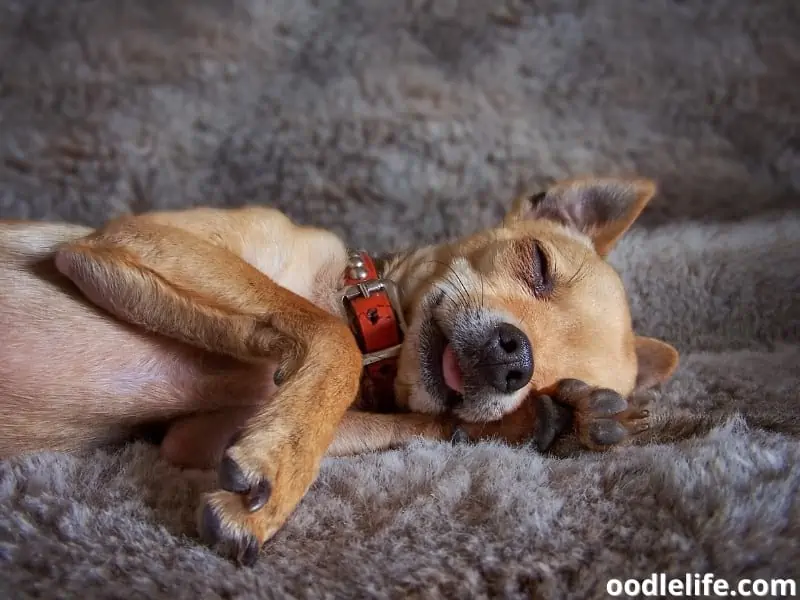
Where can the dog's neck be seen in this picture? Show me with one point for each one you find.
(369, 318)
(409, 270)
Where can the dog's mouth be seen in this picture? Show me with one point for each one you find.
(441, 372)
(451, 370)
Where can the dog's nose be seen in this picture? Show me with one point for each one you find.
(505, 361)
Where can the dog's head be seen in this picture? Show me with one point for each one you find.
(513, 310)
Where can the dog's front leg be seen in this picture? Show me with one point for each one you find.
(538, 420)
(177, 284)
(271, 465)
(369, 432)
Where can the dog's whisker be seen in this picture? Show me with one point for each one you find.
(461, 288)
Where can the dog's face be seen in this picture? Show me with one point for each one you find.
(514, 310)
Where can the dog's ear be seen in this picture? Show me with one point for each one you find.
(602, 208)
(656, 362)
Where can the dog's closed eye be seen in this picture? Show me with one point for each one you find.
(541, 279)
(534, 268)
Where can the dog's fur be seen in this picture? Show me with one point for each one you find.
(190, 318)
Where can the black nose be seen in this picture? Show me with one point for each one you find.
(505, 361)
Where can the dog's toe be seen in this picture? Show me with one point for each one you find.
(210, 525)
(551, 420)
(230, 476)
(605, 403)
(248, 551)
(229, 541)
(603, 418)
(262, 478)
(606, 432)
(572, 391)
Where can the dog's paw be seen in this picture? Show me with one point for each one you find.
(602, 418)
(258, 492)
(538, 421)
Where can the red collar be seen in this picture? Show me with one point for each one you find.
(376, 319)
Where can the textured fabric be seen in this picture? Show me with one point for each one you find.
(402, 122)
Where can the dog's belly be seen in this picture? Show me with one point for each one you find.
(71, 376)
(94, 380)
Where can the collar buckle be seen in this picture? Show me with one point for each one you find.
(363, 282)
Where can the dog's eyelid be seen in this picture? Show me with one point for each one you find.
(544, 269)
(542, 257)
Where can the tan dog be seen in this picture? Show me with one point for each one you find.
(224, 321)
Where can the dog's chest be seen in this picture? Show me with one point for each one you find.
(308, 262)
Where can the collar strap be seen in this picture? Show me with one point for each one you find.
(373, 310)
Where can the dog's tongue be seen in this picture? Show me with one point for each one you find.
(452, 372)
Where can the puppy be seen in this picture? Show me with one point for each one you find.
(263, 345)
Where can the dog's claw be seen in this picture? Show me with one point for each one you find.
(639, 425)
(258, 495)
(231, 478)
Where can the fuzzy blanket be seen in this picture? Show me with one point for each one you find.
(409, 121)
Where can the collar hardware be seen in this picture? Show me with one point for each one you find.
(375, 314)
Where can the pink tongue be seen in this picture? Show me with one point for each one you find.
(452, 372)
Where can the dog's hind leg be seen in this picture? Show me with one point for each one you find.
(178, 284)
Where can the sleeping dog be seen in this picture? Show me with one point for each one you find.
(264, 346)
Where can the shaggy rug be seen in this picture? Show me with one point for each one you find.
(409, 121)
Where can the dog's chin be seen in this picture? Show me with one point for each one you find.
(481, 412)
(421, 401)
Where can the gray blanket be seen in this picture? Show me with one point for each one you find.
(407, 121)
